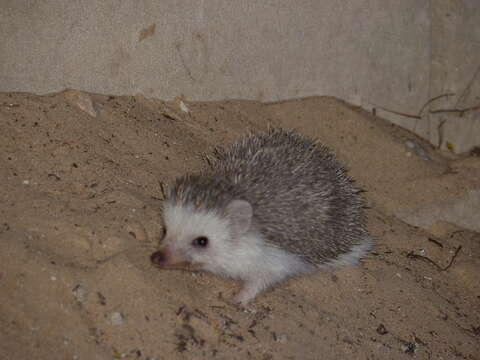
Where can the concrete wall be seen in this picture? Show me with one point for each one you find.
(375, 53)
(455, 68)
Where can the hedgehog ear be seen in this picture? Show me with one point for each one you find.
(240, 214)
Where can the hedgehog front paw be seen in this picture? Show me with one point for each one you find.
(242, 300)
(248, 292)
(243, 305)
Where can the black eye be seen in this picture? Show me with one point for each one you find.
(164, 231)
(200, 241)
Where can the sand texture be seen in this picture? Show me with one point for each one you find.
(80, 206)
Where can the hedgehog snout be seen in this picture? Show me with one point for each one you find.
(166, 259)
(158, 258)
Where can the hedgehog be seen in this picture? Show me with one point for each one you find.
(271, 206)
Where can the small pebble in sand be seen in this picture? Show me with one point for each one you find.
(116, 318)
(79, 293)
(282, 338)
(409, 348)
(184, 107)
(417, 149)
(382, 330)
(26, 182)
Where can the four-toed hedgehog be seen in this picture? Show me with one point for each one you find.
(272, 205)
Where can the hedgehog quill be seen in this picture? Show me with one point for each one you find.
(272, 205)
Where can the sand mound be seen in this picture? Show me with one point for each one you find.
(80, 204)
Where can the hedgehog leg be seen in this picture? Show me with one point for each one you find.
(273, 266)
(249, 290)
(253, 286)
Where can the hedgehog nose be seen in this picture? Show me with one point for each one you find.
(158, 258)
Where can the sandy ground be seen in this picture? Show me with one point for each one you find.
(80, 205)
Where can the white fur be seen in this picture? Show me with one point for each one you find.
(353, 256)
(183, 224)
(246, 257)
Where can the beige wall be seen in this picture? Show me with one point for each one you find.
(374, 53)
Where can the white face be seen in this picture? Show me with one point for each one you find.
(194, 237)
(204, 240)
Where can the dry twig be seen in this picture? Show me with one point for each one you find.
(461, 111)
(411, 255)
(432, 100)
(411, 116)
(400, 113)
